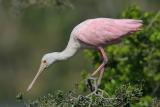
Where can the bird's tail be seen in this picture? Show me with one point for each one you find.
(132, 25)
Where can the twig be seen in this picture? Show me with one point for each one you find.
(153, 20)
(155, 89)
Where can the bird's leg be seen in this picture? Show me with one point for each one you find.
(105, 60)
(94, 86)
(100, 77)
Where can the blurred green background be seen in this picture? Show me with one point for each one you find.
(31, 28)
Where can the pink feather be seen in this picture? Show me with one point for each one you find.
(102, 31)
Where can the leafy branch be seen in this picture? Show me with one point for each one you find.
(124, 95)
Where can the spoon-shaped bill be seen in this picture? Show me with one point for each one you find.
(41, 69)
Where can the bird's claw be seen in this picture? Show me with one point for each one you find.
(97, 92)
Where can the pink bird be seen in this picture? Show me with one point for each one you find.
(92, 33)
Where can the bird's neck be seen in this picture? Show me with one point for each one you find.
(69, 51)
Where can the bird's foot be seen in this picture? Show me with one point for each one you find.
(91, 83)
(99, 92)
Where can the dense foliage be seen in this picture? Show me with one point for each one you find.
(134, 62)
(123, 96)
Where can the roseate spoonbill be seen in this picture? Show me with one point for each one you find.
(92, 33)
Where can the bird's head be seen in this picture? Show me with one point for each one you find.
(46, 61)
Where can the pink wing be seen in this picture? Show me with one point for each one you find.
(102, 31)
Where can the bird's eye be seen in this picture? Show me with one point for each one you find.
(44, 61)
